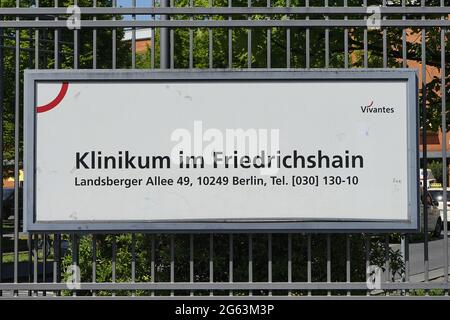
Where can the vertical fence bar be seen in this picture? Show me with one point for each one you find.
(171, 51)
(309, 263)
(133, 39)
(269, 41)
(2, 90)
(424, 148)
(384, 40)
(348, 261)
(289, 261)
(249, 40)
(113, 262)
(94, 262)
(75, 43)
(76, 240)
(405, 238)
(35, 261)
(386, 260)
(94, 40)
(191, 40)
(172, 261)
(46, 39)
(30, 48)
(407, 264)
(366, 62)
(36, 41)
(230, 40)
(307, 32)
(152, 40)
(444, 152)
(368, 238)
(56, 40)
(404, 52)
(288, 39)
(56, 259)
(164, 40)
(30, 260)
(36, 239)
(329, 262)
(269, 258)
(210, 40)
(74, 257)
(44, 261)
(230, 261)
(327, 41)
(133, 260)
(152, 262)
(114, 39)
(56, 237)
(345, 39)
(211, 261)
(16, 153)
(250, 261)
(191, 261)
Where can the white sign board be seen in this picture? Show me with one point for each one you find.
(223, 151)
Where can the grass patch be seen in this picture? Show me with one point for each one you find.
(9, 257)
(431, 292)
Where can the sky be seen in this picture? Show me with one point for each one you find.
(139, 3)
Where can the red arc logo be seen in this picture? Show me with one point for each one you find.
(52, 104)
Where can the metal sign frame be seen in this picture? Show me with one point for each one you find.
(318, 225)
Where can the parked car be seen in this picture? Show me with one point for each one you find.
(8, 203)
(434, 216)
(437, 193)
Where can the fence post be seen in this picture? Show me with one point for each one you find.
(1, 153)
(164, 44)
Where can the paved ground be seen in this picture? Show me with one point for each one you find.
(435, 254)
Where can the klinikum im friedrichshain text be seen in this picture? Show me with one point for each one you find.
(295, 159)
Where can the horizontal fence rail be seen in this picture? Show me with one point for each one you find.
(384, 11)
(222, 23)
(161, 286)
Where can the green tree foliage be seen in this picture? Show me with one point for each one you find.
(161, 259)
(436, 170)
(317, 57)
(46, 60)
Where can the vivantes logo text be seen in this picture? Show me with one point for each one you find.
(370, 108)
